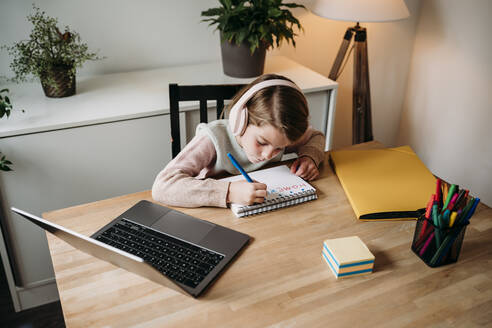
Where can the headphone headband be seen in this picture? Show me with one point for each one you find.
(238, 117)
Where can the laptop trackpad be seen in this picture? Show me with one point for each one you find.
(183, 226)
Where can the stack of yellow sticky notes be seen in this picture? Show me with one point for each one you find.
(348, 256)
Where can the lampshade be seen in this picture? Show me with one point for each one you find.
(361, 10)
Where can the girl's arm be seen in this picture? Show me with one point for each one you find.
(179, 183)
(311, 144)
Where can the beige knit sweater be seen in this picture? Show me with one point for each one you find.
(186, 181)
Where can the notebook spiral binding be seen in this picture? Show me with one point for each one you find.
(278, 202)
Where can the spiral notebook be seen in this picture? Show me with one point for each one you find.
(283, 189)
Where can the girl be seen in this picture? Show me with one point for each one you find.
(267, 118)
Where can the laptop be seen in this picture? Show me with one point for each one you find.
(166, 246)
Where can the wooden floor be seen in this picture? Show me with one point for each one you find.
(49, 315)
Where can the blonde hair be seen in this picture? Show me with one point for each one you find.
(283, 107)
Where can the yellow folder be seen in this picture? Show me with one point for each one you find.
(384, 184)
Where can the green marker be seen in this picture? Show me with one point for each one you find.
(450, 195)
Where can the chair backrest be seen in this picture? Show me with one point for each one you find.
(202, 93)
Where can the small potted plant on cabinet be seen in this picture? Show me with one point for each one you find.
(49, 54)
(247, 29)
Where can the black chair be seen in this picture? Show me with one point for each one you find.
(202, 93)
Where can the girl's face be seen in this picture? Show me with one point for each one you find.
(262, 143)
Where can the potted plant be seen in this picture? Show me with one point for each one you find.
(247, 29)
(5, 109)
(49, 54)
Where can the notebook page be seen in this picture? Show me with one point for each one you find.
(282, 186)
(279, 180)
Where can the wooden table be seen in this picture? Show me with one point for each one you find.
(126, 113)
(280, 279)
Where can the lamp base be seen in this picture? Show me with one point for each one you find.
(361, 106)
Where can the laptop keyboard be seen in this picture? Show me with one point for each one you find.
(178, 260)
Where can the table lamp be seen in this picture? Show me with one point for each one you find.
(359, 11)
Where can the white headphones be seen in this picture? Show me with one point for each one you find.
(238, 117)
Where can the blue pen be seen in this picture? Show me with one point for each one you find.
(236, 164)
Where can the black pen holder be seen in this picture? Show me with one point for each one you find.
(445, 249)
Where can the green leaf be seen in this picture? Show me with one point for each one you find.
(5, 168)
(293, 5)
(241, 36)
(226, 3)
(252, 48)
(254, 21)
(212, 12)
(274, 12)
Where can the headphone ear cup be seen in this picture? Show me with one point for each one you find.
(238, 120)
(243, 120)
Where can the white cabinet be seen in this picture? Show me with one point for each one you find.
(110, 139)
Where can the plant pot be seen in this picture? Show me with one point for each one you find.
(237, 60)
(58, 82)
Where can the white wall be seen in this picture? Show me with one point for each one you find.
(131, 34)
(447, 113)
(154, 33)
(389, 47)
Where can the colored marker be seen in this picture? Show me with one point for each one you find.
(426, 245)
(427, 215)
(438, 191)
(452, 202)
(452, 218)
(236, 164)
(461, 218)
(434, 215)
(429, 206)
(419, 243)
(445, 218)
(471, 211)
(449, 196)
(461, 197)
(436, 225)
(445, 188)
(443, 250)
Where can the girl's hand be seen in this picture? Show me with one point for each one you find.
(246, 193)
(305, 168)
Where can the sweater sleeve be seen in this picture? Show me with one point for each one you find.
(311, 144)
(178, 183)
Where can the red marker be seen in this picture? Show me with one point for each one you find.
(426, 245)
(431, 202)
(451, 203)
(438, 191)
